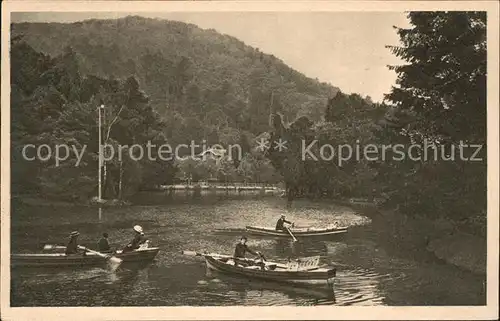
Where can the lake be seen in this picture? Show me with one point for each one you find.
(368, 274)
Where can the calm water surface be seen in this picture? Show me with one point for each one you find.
(367, 274)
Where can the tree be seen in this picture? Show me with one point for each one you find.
(53, 104)
(444, 80)
(440, 98)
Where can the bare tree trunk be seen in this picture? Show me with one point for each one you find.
(106, 139)
(105, 177)
(291, 193)
(120, 182)
(104, 167)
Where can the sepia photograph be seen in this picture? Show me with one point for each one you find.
(223, 156)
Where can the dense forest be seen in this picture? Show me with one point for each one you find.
(206, 85)
(438, 103)
(163, 80)
(53, 104)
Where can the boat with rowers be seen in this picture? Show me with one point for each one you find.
(305, 272)
(297, 232)
(141, 255)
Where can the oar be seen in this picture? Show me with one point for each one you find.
(48, 247)
(229, 230)
(339, 264)
(222, 256)
(113, 260)
(194, 253)
(291, 234)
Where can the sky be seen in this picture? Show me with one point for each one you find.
(346, 49)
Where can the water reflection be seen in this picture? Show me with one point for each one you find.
(305, 247)
(201, 196)
(245, 289)
(359, 287)
(367, 274)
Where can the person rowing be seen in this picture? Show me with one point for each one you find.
(137, 241)
(241, 249)
(72, 247)
(280, 224)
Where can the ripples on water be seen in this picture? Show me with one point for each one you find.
(367, 275)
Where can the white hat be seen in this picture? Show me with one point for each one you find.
(138, 229)
(74, 233)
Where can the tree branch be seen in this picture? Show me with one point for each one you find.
(112, 122)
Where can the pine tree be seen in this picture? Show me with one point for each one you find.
(444, 80)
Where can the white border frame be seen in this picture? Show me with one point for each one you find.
(490, 311)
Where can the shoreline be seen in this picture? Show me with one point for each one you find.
(40, 201)
(442, 238)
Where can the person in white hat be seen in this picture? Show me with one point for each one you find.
(137, 240)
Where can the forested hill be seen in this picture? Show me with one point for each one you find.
(204, 85)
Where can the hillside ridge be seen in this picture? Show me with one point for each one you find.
(187, 72)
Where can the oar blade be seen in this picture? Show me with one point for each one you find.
(114, 263)
(191, 253)
(291, 234)
(115, 260)
(48, 247)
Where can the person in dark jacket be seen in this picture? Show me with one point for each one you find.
(72, 247)
(240, 251)
(103, 244)
(280, 224)
(242, 248)
(136, 241)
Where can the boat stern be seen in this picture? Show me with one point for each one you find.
(331, 275)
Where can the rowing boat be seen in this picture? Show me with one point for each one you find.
(297, 232)
(87, 259)
(272, 271)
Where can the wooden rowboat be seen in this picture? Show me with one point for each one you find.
(297, 232)
(89, 259)
(271, 271)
